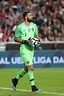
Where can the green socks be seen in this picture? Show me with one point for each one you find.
(21, 74)
(31, 77)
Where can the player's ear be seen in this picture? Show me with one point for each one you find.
(25, 17)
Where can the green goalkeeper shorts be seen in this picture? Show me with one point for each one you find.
(27, 58)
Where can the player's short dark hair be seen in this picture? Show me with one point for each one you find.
(25, 14)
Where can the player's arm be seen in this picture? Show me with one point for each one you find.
(17, 37)
(20, 40)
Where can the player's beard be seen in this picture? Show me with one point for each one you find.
(29, 20)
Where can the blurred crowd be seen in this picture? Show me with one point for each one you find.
(48, 15)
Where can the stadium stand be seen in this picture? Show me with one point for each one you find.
(48, 15)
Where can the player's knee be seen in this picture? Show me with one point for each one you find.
(30, 68)
(25, 68)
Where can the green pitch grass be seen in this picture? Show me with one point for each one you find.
(50, 80)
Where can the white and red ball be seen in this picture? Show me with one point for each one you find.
(35, 40)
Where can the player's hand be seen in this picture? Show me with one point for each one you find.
(30, 42)
(38, 43)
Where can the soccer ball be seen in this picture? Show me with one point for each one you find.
(34, 40)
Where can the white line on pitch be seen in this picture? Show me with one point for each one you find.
(3, 88)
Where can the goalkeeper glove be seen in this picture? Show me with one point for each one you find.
(38, 43)
(30, 42)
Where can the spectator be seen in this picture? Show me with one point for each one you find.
(1, 34)
(47, 14)
(55, 46)
(4, 38)
(11, 38)
(8, 32)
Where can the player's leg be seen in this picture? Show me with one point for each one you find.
(20, 74)
(29, 67)
(31, 79)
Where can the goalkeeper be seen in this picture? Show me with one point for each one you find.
(24, 31)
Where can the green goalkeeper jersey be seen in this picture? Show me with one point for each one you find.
(25, 32)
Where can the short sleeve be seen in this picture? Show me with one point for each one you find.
(36, 31)
(18, 32)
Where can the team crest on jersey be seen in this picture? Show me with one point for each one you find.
(29, 29)
(32, 29)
